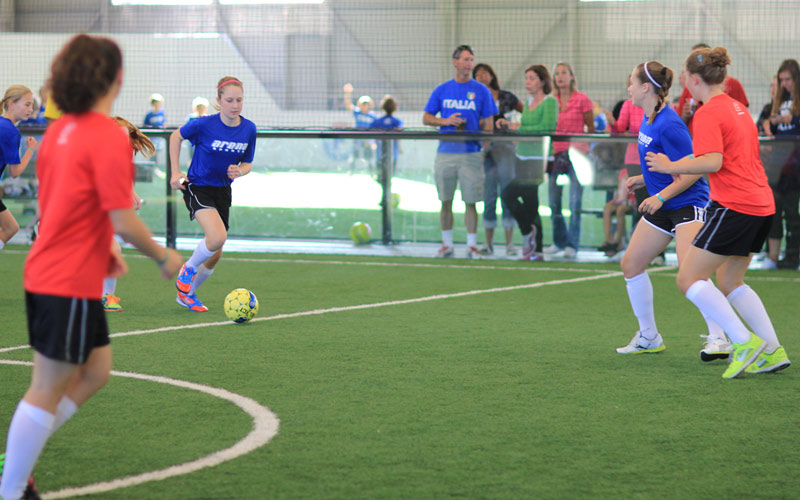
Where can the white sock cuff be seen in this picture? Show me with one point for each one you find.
(472, 239)
(695, 289)
(738, 291)
(38, 415)
(447, 237)
(637, 278)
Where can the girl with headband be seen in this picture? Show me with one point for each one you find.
(674, 209)
(224, 147)
(726, 148)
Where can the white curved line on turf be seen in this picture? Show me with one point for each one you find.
(265, 427)
(315, 312)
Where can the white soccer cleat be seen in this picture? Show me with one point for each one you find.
(715, 348)
(639, 344)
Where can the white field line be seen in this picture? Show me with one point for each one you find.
(265, 427)
(315, 312)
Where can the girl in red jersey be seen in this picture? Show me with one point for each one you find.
(17, 105)
(87, 189)
(143, 145)
(726, 148)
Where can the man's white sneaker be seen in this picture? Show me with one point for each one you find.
(715, 348)
(640, 344)
(445, 252)
(474, 253)
(570, 253)
(552, 249)
(511, 250)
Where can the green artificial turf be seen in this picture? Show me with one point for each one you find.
(507, 394)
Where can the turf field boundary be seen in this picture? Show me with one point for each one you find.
(265, 427)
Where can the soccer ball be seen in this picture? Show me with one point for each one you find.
(360, 233)
(241, 305)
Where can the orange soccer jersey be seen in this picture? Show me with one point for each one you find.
(85, 170)
(724, 126)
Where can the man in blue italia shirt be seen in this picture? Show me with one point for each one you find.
(463, 105)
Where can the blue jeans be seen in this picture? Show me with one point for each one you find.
(498, 165)
(561, 237)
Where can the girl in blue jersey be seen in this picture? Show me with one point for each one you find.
(225, 145)
(674, 209)
(17, 105)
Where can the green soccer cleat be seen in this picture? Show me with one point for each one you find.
(743, 354)
(768, 363)
(111, 303)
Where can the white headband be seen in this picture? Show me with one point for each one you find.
(650, 77)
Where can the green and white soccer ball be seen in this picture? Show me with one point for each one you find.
(360, 233)
(241, 305)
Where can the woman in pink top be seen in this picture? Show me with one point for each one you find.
(574, 116)
(630, 118)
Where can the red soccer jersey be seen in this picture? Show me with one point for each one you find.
(85, 170)
(724, 126)
(730, 86)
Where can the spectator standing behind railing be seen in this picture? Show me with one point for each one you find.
(17, 105)
(155, 117)
(521, 195)
(462, 104)
(785, 121)
(574, 116)
(388, 122)
(629, 121)
(688, 105)
(364, 116)
(498, 163)
(763, 123)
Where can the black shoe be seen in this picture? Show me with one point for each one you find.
(787, 264)
(31, 493)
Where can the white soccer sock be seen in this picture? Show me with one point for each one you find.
(202, 275)
(447, 238)
(712, 303)
(200, 255)
(714, 330)
(2, 244)
(109, 286)
(749, 306)
(472, 239)
(30, 427)
(640, 293)
(526, 241)
(66, 409)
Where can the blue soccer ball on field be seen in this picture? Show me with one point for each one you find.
(241, 305)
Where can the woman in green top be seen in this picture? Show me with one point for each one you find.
(521, 196)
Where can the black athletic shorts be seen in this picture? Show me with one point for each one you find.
(3, 206)
(65, 328)
(728, 232)
(667, 220)
(202, 197)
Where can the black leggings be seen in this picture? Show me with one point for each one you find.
(522, 198)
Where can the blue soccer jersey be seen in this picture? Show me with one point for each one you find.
(218, 146)
(10, 139)
(154, 119)
(473, 100)
(387, 122)
(363, 120)
(669, 135)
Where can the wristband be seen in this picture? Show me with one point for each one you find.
(658, 195)
(31, 150)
